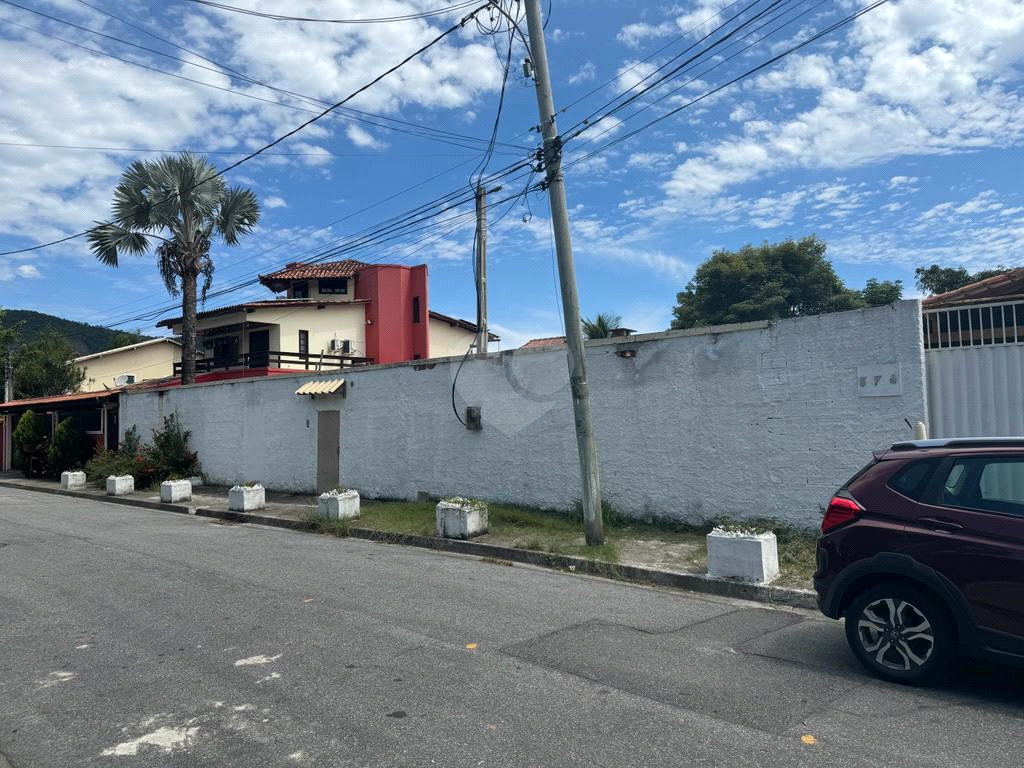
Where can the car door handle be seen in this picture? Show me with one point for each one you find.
(938, 524)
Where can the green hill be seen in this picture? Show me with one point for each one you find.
(86, 339)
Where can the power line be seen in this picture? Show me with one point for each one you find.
(828, 30)
(297, 129)
(379, 20)
(435, 134)
(31, 145)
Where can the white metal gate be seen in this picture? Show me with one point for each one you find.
(975, 367)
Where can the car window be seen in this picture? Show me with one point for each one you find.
(912, 480)
(986, 484)
(1003, 481)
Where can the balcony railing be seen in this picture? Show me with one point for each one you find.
(291, 361)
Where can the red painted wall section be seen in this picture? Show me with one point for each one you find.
(392, 333)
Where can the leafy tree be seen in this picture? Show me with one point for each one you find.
(182, 197)
(767, 282)
(26, 442)
(878, 293)
(936, 279)
(125, 339)
(601, 326)
(69, 449)
(46, 367)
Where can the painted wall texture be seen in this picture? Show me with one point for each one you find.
(753, 420)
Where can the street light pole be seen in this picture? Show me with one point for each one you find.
(590, 476)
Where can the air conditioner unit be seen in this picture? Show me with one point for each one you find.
(124, 379)
(340, 345)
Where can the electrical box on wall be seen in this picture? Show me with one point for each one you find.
(473, 420)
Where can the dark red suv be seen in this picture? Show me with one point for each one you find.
(922, 552)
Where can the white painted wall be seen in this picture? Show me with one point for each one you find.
(153, 359)
(755, 420)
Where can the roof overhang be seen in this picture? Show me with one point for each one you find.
(322, 387)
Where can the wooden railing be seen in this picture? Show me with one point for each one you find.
(296, 361)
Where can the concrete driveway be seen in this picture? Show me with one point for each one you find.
(137, 637)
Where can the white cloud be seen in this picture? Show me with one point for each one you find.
(584, 74)
(634, 34)
(363, 138)
(897, 182)
(922, 77)
(273, 201)
(28, 270)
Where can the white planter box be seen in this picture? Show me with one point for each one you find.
(197, 481)
(72, 480)
(245, 498)
(461, 520)
(120, 485)
(742, 556)
(338, 506)
(172, 491)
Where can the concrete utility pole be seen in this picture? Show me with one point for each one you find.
(589, 473)
(481, 270)
(9, 378)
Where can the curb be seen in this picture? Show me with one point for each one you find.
(693, 582)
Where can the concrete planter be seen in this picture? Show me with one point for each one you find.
(197, 481)
(122, 485)
(338, 505)
(72, 480)
(461, 518)
(173, 491)
(246, 498)
(743, 556)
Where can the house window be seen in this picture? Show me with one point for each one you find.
(300, 291)
(415, 309)
(335, 285)
(303, 342)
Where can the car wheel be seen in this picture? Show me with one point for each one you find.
(900, 633)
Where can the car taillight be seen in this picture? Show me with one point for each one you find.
(840, 510)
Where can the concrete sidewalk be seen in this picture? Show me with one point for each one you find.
(293, 510)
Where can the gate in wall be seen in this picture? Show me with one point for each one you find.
(975, 367)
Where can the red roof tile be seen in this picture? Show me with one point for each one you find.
(297, 270)
(74, 397)
(549, 341)
(1004, 287)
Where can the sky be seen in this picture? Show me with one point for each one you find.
(688, 127)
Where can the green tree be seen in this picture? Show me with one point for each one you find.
(601, 326)
(26, 441)
(936, 279)
(182, 197)
(70, 448)
(766, 282)
(46, 367)
(878, 293)
(125, 339)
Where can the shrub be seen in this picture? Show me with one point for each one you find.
(69, 449)
(27, 442)
(169, 455)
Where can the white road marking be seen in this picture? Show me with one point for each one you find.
(163, 739)
(55, 678)
(252, 661)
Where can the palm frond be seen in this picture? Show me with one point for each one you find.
(239, 213)
(107, 241)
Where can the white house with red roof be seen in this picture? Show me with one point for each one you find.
(326, 316)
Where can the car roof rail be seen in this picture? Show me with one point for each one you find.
(960, 442)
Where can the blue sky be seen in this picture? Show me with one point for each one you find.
(896, 139)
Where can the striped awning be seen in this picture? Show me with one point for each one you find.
(328, 387)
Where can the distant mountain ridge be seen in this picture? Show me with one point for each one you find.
(86, 339)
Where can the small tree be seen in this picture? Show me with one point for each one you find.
(879, 293)
(69, 449)
(26, 442)
(936, 279)
(46, 367)
(601, 326)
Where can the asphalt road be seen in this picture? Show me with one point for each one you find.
(134, 637)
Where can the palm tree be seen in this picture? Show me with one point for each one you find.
(182, 197)
(601, 326)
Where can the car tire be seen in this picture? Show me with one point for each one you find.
(900, 633)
